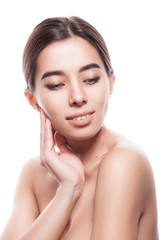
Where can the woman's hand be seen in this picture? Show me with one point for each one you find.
(66, 166)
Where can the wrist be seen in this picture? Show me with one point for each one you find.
(72, 191)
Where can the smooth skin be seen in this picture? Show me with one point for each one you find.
(99, 185)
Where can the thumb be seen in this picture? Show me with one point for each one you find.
(61, 143)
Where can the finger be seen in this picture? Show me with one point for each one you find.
(42, 125)
(61, 143)
(48, 136)
(42, 128)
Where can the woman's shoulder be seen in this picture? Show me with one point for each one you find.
(32, 166)
(122, 149)
(38, 180)
(125, 158)
(32, 172)
(128, 156)
(125, 180)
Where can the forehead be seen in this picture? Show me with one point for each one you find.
(68, 54)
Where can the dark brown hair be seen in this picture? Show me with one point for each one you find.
(55, 29)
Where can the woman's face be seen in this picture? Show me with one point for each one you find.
(72, 87)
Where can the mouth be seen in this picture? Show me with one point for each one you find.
(81, 119)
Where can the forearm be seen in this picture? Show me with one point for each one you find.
(52, 221)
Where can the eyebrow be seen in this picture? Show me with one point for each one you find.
(51, 73)
(89, 66)
(60, 73)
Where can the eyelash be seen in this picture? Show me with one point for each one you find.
(89, 81)
(92, 81)
(54, 86)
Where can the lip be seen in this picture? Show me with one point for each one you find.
(81, 122)
(79, 115)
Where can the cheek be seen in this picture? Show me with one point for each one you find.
(51, 104)
(53, 110)
(101, 97)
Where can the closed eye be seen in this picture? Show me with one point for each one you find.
(55, 86)
(92, 81)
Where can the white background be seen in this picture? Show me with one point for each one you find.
(136, 36)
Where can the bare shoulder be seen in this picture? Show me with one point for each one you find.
(126, 154)
(126, 163)
(32, 169)
(40, 182)
(31, 164)
(125, 194)
(25, 203)
(29, 171)
(32, 175)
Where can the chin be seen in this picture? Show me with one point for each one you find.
(82, 134)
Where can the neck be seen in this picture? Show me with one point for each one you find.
(86, 149)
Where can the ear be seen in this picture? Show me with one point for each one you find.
(112, 81)
(32, 100)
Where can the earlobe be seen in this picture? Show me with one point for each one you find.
(32, 100)
(25, 93)
(112, 81)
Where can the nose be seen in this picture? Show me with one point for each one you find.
(77, 96)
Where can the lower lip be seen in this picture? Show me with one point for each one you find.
(82, 122)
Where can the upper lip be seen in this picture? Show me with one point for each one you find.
(79, 115)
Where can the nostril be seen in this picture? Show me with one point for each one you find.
(78, 101)
(74, 103)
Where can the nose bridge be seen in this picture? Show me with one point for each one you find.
(77, 94)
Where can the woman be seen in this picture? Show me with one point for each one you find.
(98, 184)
